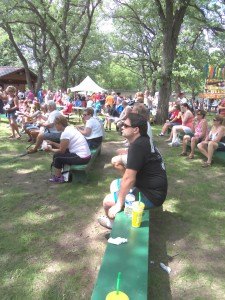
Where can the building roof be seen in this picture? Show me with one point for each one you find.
(10, 70)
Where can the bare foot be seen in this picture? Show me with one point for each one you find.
(168, 140)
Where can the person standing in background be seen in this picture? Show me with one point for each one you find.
(11, 108)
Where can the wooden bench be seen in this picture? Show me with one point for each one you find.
(80, 172)
(131, 259)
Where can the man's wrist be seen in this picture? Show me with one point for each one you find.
(119, 204)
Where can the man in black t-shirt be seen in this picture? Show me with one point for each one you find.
(145, 172)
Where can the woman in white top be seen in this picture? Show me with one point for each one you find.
(72, 149)
(215, 140)
(93, 129)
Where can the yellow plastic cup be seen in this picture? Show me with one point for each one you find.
(114, 296)
(137, 213)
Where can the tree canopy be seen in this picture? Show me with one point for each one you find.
(153, 44)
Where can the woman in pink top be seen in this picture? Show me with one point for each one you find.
(200, 132)
(187, 124)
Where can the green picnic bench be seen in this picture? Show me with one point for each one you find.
(131, 259)
(217, 155)
(80, 172)
(3, 116)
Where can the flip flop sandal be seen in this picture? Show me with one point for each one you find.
(206, 165)
(31, 151)
(183, 154)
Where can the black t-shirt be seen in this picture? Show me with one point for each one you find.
(151, 176)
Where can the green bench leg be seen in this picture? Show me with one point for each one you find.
(79, 177)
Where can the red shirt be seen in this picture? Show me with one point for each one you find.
(174, 115)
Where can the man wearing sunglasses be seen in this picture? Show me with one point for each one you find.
(145, 173)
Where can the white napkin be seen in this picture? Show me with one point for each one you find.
(117, 241)
(165, 268)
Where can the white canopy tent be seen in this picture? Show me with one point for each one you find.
(87, 85)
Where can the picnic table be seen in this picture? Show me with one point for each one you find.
(79, 111)
(131, 259)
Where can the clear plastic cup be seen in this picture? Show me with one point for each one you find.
(137, 213)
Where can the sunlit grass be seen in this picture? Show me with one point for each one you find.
(46, 249)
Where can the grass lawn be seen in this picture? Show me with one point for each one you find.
(51, 246)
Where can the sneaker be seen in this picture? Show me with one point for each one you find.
(56, 179)
(161, 134)
(170, 144)
(105, 222)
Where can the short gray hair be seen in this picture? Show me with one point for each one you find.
(52, 104)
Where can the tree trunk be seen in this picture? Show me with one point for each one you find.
(193, 93)
(164, 97)
(153, 87)
(65, 78)
(51, 78)
(40, 79)
(177, 87)
(166, 77)
(8, 30)
(171, 21)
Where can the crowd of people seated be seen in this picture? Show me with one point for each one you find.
(140, 163)
(194, 129)
(40, 118)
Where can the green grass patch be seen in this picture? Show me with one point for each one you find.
(51, 246)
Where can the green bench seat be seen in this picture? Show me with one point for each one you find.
(217, 155)
(131, 259)
(80, 172)
(3, 116)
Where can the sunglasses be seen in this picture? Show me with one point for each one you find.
(126, 125)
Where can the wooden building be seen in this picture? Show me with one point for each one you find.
(15, 76)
